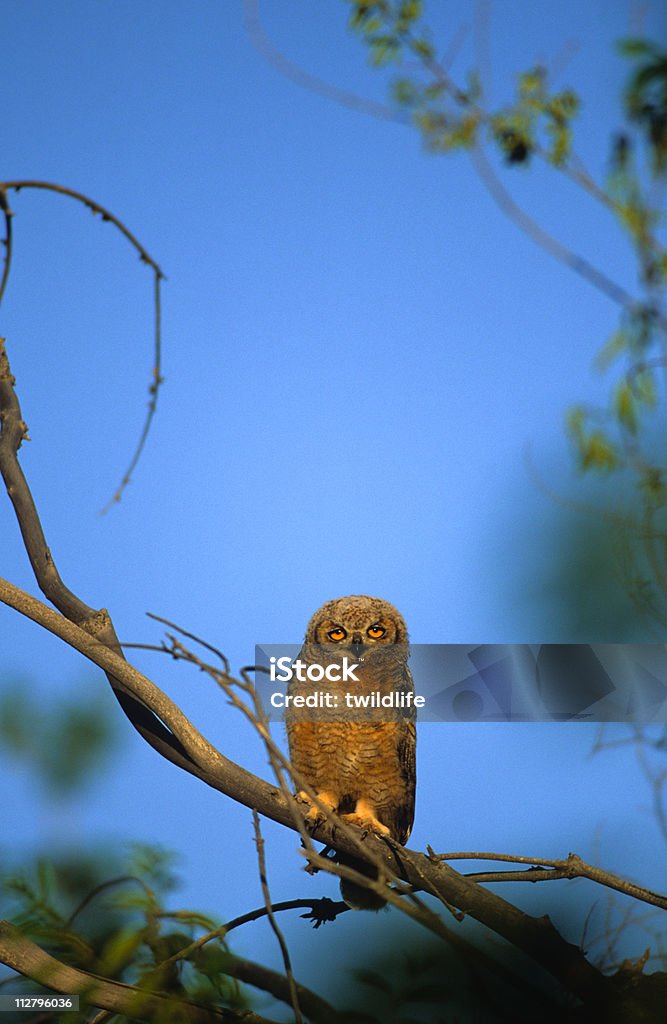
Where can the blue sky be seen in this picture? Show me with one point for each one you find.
(358, 348)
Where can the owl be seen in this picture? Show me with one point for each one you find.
(358, 751)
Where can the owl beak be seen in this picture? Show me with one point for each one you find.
(357, 647)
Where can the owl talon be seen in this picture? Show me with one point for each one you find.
(315, 814)
(368, 824)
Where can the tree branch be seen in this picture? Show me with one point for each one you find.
(144, 256)
(571, 866)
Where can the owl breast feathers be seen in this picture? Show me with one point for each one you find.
(360, 764)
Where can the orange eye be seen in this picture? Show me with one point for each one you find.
(376, 632)
(337, 634)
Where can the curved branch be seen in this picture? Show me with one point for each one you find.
(13, 430)
(200, 757)
(94, 207)
(532, 229)
(273, 56)
(29, 959)
(144, 256)
(7, 241)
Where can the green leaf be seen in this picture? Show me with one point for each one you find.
(635, 47)
(643, 387)
(404, 92)
(624, 407)
(212, 961)
(119, 951)
(384, 50)
(598, 452)
(409, 11)
(611, 350)
(423, 49)
(531, 86)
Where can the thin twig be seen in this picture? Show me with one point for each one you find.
(544, 869)
(6, 241)
(145, 257)
(533, 230)
(284, 951)
(103, 887)
(313, 83)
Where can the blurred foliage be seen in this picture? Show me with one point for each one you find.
(106, 915)
(539, 123)
(425, 981)
(420, 980)
(63, 742)
(593, 581)
(646, 97)
(97, 911)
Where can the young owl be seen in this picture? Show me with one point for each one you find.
(361, 763)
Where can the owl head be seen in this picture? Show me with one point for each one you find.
(357, 620)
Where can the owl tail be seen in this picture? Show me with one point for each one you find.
(356, 896)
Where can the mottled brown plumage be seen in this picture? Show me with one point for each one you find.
(361, 764)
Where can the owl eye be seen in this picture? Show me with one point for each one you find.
(337, 634)
(376, 632)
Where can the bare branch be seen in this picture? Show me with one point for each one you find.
(144, 256)
(321, 910)
(6, 241)
(533, 230)
(94, 207)
(287, 963)
(571, 866)
(639, 738)
(313, 83)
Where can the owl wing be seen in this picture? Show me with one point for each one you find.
(404, 812)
